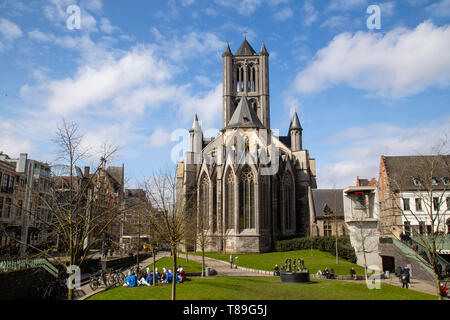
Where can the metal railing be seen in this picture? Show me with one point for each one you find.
(10, 265)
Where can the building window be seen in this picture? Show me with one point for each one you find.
(204, 203)
(1, 206)
(436, 204)
(406, 206)
(8, 208)
(214, 213)
(418, 204)
(246, 200)
(416, 182)
(448, 203)
(445, 181)
(327, 229)
(229, 201)
(287, 201)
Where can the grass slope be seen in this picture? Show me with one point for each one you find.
(262, 288)
(167, 262)
(266, 261)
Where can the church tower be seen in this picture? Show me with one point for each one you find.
(246, 73)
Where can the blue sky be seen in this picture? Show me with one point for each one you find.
(138, 70)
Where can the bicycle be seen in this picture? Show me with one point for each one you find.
(96, 280)
(117, 277)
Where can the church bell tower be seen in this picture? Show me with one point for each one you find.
(246, 73)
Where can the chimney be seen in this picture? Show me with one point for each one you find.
(86, 172)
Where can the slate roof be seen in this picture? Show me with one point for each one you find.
(244, 117)
(245, 49)
(326, 197)
(402, 170)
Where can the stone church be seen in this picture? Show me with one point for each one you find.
(250, 185)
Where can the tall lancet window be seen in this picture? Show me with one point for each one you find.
(204, 203)
(287, 200)
(214, 213)
(240, 81)
(246, 200)
(251, 74)
(229, 200)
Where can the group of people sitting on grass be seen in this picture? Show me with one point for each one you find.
(146, 278)
(329, 274)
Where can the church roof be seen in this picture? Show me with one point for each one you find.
(245, 49)
(324, 202)
(295, 123)
(244, 116)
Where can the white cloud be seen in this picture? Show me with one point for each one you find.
(358, 149)
(336, 22)
(186, 3)
(284, 14)
(9, 30)
(106, 27)
(91, 86)
(345, 5)
(190, 45)
(400, 63)
(243, 7)
(39, 36)
(311, 14)
(159, 138)
(440, 9)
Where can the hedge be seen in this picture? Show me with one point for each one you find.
(327, 244)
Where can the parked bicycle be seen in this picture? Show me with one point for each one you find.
(97, 279)
(117, 277)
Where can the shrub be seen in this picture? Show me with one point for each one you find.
(326, 244)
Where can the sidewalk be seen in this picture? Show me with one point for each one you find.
(223, 268)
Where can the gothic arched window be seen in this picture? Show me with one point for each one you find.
(246, 200)
(204, 203)
(214, 213)
(229, 201)
(251, 81)
(287, 200)
(240, 81)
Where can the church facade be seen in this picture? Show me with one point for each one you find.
(249, 185)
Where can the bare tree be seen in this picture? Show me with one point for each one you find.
(171, 214)
(78, 216)
(426, 178)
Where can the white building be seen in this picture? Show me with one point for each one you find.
(361, 215)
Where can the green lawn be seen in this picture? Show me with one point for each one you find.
(262, 288)
(267, 261)
(167, 262)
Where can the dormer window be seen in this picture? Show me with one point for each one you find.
(434, 181)
(445, 181)
(416, 182)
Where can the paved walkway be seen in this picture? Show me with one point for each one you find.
(222, 268)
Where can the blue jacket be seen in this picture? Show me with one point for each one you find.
(131, 280)
(169, 277)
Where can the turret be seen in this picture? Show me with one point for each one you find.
(296, 131)
(196, 136)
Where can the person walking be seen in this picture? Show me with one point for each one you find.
(353, 273)
(231, 261)
(405, 278)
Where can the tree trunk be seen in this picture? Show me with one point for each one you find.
(174, 278)
(203, 261)
(154, 266)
